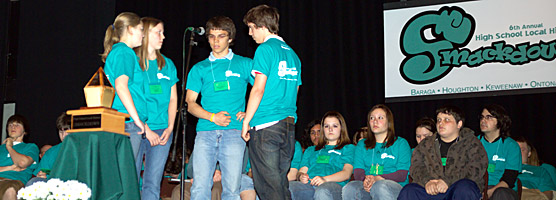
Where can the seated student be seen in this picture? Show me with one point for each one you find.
(424, 127)
(296, 161)
(216, 190)
(381, 160)
(42, 172)
(44, 149)
(311, 134)
(360, 134)
(504, 159)
(448, 165)
(17, 159)
(535, 180)
(327, 167)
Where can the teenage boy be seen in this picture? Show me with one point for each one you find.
(222, 81)
(271, 109)
(504, 155)
(448, 165)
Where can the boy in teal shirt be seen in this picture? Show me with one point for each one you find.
(504, 159)
(17, 159)
(42, 172)
(222, 81)
(271, 109)
(533, 177)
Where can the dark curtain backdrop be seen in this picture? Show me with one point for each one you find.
(339, 42)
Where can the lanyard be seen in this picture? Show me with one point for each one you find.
(212, 71)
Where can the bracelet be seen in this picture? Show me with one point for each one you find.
(211, 117)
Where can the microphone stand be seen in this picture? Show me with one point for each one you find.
(182, 116)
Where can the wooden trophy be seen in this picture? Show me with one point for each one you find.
(98, 115)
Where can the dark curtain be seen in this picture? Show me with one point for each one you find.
(339, 43)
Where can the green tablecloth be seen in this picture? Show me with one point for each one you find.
(104, 161)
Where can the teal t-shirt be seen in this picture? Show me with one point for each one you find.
(279, 63)
(380, 160)
(297, 154)
(202, 79)
(47, 161)
(501, 156)
(327, 160)
(158, 85)
(122, 60)
(536, 177)
(551, 170)
(28, 149)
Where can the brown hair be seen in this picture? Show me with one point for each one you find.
(115, 31)
(370, 141)
(534, 158)
(222, 23)
(18, 119)
(263, 15)
(143, 50)
(344, 137)
(62, 121)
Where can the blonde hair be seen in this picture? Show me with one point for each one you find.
(115, 31)
(142, 51)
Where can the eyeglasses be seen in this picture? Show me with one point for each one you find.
(487, 117)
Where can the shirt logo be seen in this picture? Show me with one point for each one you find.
(284, 70)
(161, 76)
(496, 158)
(525, 171)
(334, 151)
(385, 155)
(285, 47)
(230, 73)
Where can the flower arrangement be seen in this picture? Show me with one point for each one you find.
(55, 189)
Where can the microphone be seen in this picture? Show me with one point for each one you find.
(199, 30)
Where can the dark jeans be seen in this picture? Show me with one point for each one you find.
(271, 151)
(462, 189)
(503, 193)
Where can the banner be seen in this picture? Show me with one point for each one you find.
(472, 48)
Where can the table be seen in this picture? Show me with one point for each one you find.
(102, 160)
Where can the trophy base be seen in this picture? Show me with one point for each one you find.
(89, 119)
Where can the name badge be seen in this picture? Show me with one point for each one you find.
(221, 86)
(323, 159)
(155, 89)
(443, 161)
(491, 167)
(377, 169)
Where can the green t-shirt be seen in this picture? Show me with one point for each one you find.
(47, 161)
(551, 170)
(327, 160)
(202, 79)
(536, 177)
(122, 60)
(158, 85)
(297, 154)
(28, 149)
(279, 63)
(501, 156)
(380, 160)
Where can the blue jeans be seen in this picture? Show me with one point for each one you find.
(325, 191)
(246, 183)
(155, 160)
(226, 147)
(462, 189)
(270, 152)
(134, 138)
(34, 180)
(383, 189)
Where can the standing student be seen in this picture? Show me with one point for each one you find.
(222, 81)
(504, 155)
(271, 109)
(125, 74)
(161, 98)
(381, 160)
(326, 167)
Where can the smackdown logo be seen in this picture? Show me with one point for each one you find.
(429, 60)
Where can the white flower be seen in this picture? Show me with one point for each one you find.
(55, 189)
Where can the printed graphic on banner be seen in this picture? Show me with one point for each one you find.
(470, 47)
